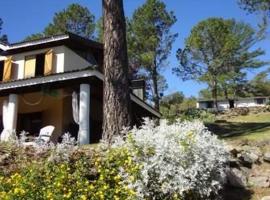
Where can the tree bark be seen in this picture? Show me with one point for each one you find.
(116, 99)
(155, 87)
(214, 94)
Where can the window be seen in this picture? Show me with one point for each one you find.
(34, 65)
(209, 104)
(30, 122)
(260, 101)
(40, 61)
(1, 70)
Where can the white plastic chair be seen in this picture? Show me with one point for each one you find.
(45, 134)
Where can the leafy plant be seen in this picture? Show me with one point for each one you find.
(177, 161)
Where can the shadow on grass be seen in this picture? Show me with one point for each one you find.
(232, 129)
(230, 193)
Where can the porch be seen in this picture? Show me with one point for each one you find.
(31, 104)
(32, 108)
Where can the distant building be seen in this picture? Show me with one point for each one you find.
(224, 104)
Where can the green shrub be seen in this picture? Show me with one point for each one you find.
(84, 176)
(193, 113)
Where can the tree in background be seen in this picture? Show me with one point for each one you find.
(253, 6)
(99, 28)
(150, 42)
(260, 7)
(116, 98)
(174, 98)
(173, 106)
(217, 51)
(260, 85)
(3, 38)
(75, 18)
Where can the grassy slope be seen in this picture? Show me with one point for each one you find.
(251, 127)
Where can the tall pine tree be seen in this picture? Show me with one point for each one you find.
(150, 42)
(75, 18)
(116, 100)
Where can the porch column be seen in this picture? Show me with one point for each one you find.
(84, 111)
(9, 115)
(12, 112)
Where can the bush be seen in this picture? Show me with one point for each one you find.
(84, 177)
(178, 161)
(66, 172)
(194, 113)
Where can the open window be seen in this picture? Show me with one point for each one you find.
(34, 65)
(260, 101)
(1, 70)
(40, 61)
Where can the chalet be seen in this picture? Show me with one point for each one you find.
(58, 81)
(233, 103)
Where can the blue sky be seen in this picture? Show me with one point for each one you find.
(22, 18)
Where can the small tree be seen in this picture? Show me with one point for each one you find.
(116, 100)
(75, 18)
(150, 42)
(3, 38)
(217, 51)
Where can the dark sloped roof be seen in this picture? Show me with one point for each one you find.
(68, 39)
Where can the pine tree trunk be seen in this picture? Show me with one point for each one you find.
(155, 88)
(116, 99)
(214, 95)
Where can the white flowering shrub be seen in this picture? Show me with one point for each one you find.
(62, 151)
(178, 161)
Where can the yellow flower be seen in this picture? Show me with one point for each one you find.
(83, 197)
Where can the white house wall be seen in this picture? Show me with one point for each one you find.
(247, 103)
(19, 60)
(2, 58)
(73, 61)
(64, 60)
(223, 105)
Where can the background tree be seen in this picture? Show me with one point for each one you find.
(215, 48)
(3, 38)
(75, 18)
(176, 105)
(259, 7)
(260, 85)
(256, 6)
(116, 100)
(174, 98)
(99, 28)
(150, 42)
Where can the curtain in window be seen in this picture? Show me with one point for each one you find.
(75, 107)
(48, 62)
(29, 66)
(7, 69)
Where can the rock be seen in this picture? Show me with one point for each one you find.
(236, 178)
(246, 171)
(252, 149)
(259, 181)
(234, 163)
(266, 157)
(247, 159)
(266, 198)
(3, 158)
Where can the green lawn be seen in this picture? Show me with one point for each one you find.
(250, 127)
